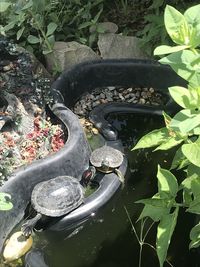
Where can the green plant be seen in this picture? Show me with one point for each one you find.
(181, 131)
(141, 237)
(37, 24)
(154, 28)
(28, 18)
(5, 203)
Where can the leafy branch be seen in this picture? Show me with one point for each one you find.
(182, 131)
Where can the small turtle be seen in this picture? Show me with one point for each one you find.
(54, 198)
(107, 159)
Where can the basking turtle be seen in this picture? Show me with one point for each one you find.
(107, 159)
(54, 198)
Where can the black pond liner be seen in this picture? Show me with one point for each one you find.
(73, 159)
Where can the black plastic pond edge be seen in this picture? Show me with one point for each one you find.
(98, 116)
(85, 77)
(71, 160)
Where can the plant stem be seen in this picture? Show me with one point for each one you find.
(132, 226)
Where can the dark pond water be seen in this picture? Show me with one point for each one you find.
(107, 239)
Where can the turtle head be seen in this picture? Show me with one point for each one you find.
(88, 175)
(105, 164)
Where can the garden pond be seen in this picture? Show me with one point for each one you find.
(107, 239)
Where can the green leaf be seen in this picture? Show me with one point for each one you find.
(4, 6)
(33, 39)
(46, 52)
(176, 25)
(166, 49)
(152, 139)
(191, 188)
(85, 25)
(5, 203)
(179, 160)
(51, 40)
(51, 28)
(164, 233)
(156, 202)
(180, 95)
(195, 236)
(167, 183)
(28, 5)
(187, 197)
(195, 186)
(167, 118)
(193, 172)
(185, 121)
(192, 15)
(193, 19)
(182, 63)
(154, 212)
(169, 143)
(20, 32)
(194, 206)
(192, 153)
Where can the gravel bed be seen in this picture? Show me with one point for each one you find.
(87, 102)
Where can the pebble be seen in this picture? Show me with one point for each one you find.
(116, 94)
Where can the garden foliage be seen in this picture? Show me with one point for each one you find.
(154, 31)
(36, 24)
(181, 131)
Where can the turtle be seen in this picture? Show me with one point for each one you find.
(107, 159)
(54, 198)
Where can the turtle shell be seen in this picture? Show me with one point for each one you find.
(57, 196)
(113, 156)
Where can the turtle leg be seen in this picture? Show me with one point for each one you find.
(27, 227)
(121, 176)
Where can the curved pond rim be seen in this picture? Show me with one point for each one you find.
(86, 76)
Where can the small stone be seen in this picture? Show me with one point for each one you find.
(111, 88)
(137, 94)
(129, 89)
(82, 121)
(149, 94)
(102, 95)
(92, 97)
(144, 95)
(96, 103)
(103, 101)
(132, 100)
(115, 93)
(127, 96)
(132, 95)
(121, 97)
(142, 101)
(151, 90)
(110, 99)
(95, 131)
(38, 111)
